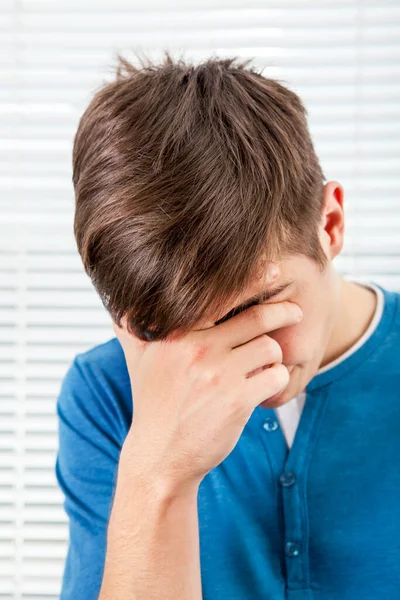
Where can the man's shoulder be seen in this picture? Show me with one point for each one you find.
(97, 387)
(391, 305)
(387, 335)
(107, 357)
(389, 291)
(104, 367)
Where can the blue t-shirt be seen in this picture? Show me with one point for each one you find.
(319, 521)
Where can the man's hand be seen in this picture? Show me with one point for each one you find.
(193, 395)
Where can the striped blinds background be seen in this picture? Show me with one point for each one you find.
(342, 57)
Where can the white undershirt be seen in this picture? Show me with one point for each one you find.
(289, 413)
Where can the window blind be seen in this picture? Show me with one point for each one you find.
(341, 57)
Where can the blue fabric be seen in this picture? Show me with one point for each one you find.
(319, 521)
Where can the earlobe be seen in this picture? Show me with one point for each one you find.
(332, 240)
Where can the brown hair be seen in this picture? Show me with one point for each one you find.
(187, 179)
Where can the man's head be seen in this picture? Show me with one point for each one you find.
(308, 345)
(189, 181)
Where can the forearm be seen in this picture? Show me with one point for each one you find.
(152, 540)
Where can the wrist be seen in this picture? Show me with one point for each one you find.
(140, 471)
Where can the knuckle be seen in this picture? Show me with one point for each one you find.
(271, 348)
(279, 375)
(209, 377)
(197, 352)
(258, 316)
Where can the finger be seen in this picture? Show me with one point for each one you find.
(270, 381)
(256, 354)
(254, 321)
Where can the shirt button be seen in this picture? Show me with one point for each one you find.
(287, 479)
(271, 424)
(292, 549)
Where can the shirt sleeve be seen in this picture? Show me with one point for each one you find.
(86, 469)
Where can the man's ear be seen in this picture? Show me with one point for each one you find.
(332, 221)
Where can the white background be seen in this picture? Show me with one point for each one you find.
(342, 58)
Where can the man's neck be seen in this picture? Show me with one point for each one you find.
(357, 306)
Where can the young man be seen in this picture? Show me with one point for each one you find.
(219, 446)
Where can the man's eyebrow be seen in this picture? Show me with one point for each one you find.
(262, 296)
